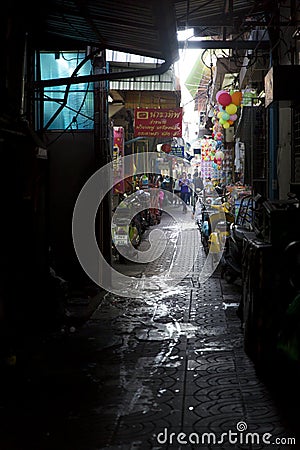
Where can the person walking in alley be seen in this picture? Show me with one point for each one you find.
(191, 189)
(184, 190)
(198, 181)
(198, 188)
(176, 191)
(167, 185)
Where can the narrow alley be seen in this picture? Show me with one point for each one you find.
(150, 240)
(164, 371)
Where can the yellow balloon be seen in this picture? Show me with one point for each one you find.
(231, 109)
(226, 125)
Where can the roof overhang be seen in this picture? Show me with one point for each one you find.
(132, 26)
(232, 44)
(222, 18)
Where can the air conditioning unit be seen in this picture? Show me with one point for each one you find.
(281, 84)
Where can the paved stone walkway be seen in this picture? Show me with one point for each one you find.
(143, 370)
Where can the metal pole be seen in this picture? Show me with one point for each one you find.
(103, 155)
(24, 73)
(252, 150)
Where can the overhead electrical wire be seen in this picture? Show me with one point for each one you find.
(74, 119)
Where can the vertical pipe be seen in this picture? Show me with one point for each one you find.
(252, 150)
(23, 81)
(39, 101)
(102, 154)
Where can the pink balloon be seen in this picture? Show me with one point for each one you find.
(233, 116)
(224, 99)
(219, 93)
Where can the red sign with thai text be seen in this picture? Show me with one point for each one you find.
(118, 161)
(158, 122)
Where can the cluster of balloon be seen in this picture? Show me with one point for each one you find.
(208, 149)
(209, 152)
(217, 162)
(218, 136)
(228, 104)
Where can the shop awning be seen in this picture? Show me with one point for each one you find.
(199, 74)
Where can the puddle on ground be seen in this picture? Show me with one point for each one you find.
(213, 347)
(165, 331)
(172, 330)
(230, 305)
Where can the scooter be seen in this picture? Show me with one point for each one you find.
(128, 230)
(213, 215)
(123, 233)
(220, 221)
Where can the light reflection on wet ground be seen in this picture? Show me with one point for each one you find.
(173, 358)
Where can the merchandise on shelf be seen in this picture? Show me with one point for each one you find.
(227, 166)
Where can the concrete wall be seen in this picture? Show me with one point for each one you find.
(71, 163)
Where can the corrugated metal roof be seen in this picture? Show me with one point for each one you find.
(134, 26)
(162, 82)
(151, 83)
(209, 17)
(140, 27)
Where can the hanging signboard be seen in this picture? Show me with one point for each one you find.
(158, 122)
(118, 162)
(178, 151)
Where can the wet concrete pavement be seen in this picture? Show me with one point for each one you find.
(143, 370)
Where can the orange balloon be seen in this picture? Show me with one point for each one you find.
(236, 98)
(230, 122)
